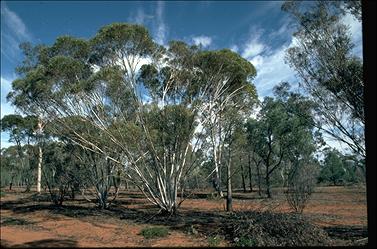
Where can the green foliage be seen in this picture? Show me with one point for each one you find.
(233, 65)
(58, 172)
(283, 130)
(154, 232)
(18, 164)
(129, 39)
(213, 241)
(244, 241)
(90, 91)
(21, 129)
(333, 168)
(338, 169)
(330, 73)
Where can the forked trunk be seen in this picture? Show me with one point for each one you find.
(268, 190)
(243, 177)
(250, 176)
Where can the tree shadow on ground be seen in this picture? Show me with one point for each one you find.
(143, 213)
(205, 223)
(235, 195)
(55, 243)
(10, 221)
(346, 232)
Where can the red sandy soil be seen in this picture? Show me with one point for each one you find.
(329, 207)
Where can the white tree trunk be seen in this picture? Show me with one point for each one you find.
(40, 156)
(39, 176)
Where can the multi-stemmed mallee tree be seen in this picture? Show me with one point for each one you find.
(146, 103)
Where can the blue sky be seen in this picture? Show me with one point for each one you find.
(258, 30)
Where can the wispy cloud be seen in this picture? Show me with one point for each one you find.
(140, 17)
(153, 19)
(14, 22)
(202, 40)
(161, 27)
(13, 32)
(272, 70)
(254, 46)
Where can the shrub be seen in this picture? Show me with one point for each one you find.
(301, 185)
(213, 241)
(244, 242)
(213, 196)
(154, 232)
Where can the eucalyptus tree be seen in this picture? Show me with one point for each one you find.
(247, 160)
(58, 173)
(138, 103)
(232, 127)
(88, 169)
(282, 130)
(24, 104)
(339, 169)
(241, 154)
(14, 124)
(208, 84)
(22, 133)
(232, 91)
(332, 76)
(11, 169)
(303, 137)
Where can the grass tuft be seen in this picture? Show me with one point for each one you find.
(213, 241)
(154, 232)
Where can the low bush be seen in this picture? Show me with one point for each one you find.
(244, 242)
(154, 232)
(213, 241)
(301, 183)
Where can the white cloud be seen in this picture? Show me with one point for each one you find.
(253, 48)
(271, 70)
(234, 48)
(257, 61)
(205, 41)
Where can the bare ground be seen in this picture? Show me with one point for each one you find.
(31, 221)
